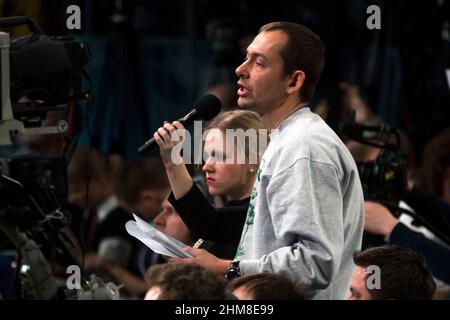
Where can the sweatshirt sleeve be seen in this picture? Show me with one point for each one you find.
(306, 208)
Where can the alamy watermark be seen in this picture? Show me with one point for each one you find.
(73, 22)
(374, 20)
(373, 280)
(73, 281)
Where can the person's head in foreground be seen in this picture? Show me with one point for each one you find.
(391, 272)
(266, 286)
(184, 281)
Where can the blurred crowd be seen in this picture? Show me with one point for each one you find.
(104, 191)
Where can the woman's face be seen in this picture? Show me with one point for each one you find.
(230, 179)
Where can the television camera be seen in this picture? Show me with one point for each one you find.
(384, 179)
(39, 74)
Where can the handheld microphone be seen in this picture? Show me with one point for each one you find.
(205, 108)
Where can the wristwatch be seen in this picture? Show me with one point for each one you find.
(233, 271)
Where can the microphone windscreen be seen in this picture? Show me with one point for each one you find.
(207, 107)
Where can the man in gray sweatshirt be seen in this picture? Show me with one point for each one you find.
(305, 216)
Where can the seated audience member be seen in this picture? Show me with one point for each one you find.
(132, 276)
(266, 286)
(142, 188)
(170, 222)
(101, 171)
(184, 281)
(403, 275)
(233, 180)
(380, 221)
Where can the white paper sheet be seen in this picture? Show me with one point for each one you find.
(156, 240)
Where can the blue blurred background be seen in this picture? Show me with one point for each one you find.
(153, 59)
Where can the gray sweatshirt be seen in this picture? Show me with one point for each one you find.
(305, 216)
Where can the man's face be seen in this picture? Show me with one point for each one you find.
(358, 287)
(150, 203)
(262, 83)
(169, 222)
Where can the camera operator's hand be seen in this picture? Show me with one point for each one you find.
(168, 137)
(378, 219)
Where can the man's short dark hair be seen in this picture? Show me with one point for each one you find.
(187, 281)
(404, 274)
(269, 286)
(304, 51)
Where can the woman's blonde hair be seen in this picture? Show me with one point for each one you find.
(243, 120)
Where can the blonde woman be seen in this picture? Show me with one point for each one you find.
(226, 178)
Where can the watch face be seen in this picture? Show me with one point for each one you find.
(233, 271)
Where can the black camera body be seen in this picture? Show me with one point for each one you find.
(48, 72)
(384, 179)
(43, 67)
(41, 74)
(32, 189)
(47, 68)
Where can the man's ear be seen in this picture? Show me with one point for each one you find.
(296, 81)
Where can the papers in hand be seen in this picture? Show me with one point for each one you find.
(156, 240)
